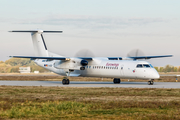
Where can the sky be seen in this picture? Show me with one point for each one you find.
(107, 28)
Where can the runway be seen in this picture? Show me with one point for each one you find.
(92, 84)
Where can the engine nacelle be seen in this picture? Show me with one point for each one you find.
(84, 62)
(73, 64)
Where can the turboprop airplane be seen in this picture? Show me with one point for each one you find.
(108, 67)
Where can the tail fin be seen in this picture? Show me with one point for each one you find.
(39, 44)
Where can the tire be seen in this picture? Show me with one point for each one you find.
(149, 82)
(67, 81)
(119, 81)
(152, 82)
(116, 80)
(64, 81)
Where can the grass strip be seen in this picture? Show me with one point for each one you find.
(89, 103)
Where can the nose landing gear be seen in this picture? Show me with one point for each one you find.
(151, 82)
(116, 80)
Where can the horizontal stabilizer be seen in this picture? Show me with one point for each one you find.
(149, 57)
(33, 31)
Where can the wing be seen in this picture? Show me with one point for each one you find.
(135, 58)
(51, 58)
(149, 57)
(89, 58)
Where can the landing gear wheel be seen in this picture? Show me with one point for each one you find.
(116, 80)
(150, 82)
(65, 82)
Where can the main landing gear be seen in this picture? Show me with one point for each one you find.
(116, 80)
(65, 81)
(151, 82)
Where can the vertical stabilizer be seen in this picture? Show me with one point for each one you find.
(39, 44)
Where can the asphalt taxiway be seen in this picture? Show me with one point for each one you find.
(92, 84)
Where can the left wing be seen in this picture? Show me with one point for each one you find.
(49, 58)
(52, 58)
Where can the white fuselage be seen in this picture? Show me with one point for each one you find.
(109, 67)
(105, 68)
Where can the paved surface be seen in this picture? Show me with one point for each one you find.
(52, 74)
(93, 84)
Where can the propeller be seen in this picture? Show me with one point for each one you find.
(84, 53)
(135, 53)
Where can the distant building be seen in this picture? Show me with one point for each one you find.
(24, 69)
(36, 72)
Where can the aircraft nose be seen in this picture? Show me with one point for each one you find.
(156, 75)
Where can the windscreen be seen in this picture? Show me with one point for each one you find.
(144, 66)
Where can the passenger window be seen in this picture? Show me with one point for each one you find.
(146, 65)
(139, 66)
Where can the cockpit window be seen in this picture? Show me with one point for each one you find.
(146, 65)
(139, 66)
